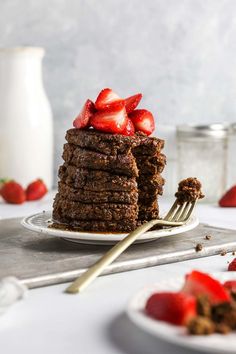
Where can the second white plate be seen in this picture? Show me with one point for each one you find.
(40, 222)
(215, 343)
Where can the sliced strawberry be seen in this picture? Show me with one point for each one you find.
(232, 265)
(198, 283)
(129, 128)
(36, 190)
(229, 198)
(230, 285)
(112, 120)
(105, 98)
(12, 192)
(143, 121)
(175, 308)
(82, 120)
(132, 102)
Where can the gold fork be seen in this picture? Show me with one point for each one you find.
(177, 216)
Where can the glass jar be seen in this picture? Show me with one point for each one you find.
(231, 181)
(202, 153)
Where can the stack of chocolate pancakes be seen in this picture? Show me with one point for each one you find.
(108, 182)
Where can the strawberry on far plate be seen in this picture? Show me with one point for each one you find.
(175, 308)
(204, 305)
(230, 285)
(199, 283)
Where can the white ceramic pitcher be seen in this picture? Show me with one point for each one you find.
(26, 132)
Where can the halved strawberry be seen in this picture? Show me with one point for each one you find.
(230, 285)
(82, 120)
(132, 102)
(229, 198)
(112, 120)
(129, 128)
(12, 192)
(175, 308)
(143, 121)
(198, 283)
(232, 265)
(105, 98)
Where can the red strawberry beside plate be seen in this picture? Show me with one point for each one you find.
(36, 190)
(229, 198)
(13, 193)
(232, 265)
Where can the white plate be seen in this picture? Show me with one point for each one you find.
(40, 222)
(214, 343)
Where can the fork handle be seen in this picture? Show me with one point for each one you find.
(86, 278)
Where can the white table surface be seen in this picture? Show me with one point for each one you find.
(94, 322)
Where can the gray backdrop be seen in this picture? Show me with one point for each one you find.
(180, 53)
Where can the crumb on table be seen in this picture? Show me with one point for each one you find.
(223, 252)
(208, 237)
(198, 247)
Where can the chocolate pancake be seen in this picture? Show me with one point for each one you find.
(63, 207)
(85, 196)
(123, 164)
(108, 144)
(95, 180)
(96, 225)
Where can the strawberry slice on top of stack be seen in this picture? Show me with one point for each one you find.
(113, 114)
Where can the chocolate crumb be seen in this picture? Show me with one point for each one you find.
(200, 326)
(208, 237)
(223, 253)
(222, 328)
(233, 253)
(203, 306)
(198, 247)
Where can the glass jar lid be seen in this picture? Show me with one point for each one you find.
(217, 130)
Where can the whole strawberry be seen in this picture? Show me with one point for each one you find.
(232, 265)
(12, 192)
(36, 190)
(229, 198)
